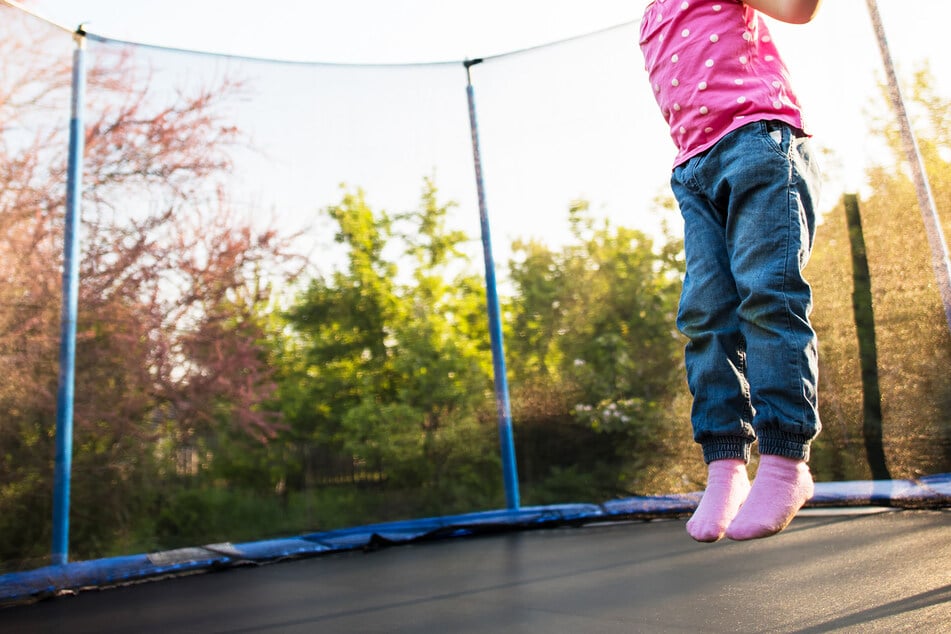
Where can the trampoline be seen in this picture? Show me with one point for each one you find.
(870, 556)
(868, 569)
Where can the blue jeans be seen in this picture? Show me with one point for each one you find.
(749, 226)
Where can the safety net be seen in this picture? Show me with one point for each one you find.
(283, 328)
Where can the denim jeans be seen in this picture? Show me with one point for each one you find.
(751, 358)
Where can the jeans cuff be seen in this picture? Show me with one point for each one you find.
(728, 448)
(795, 446)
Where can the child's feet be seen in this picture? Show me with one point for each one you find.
(727, 487)
(781, 487)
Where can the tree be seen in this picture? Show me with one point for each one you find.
(914, 346)
(597, 321)
(168, 346)
(391, 372)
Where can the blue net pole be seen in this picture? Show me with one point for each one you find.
(67, 354)
(503, 406)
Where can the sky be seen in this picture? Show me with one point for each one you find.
(834, 61)
(351, 31)
(412, 30)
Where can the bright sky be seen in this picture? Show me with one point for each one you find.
(411, 30)
(342, 31)
(834, 61)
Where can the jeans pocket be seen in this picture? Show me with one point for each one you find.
(780, 134)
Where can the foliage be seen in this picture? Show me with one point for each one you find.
(596, 320)
(392, 373)
(168, 346)
(914, 345)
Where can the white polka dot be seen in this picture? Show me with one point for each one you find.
(747, 36)
(675, 58)
(769, 58)
(702, 85)
(714, 38)
(777, 84)
(677, 107)
(685, 6)
(777, 104)
(709, 63)
(717, 7)
(683, 130)
(767, 38)
(704, 110)
(744, 59)
(656, 87)
(708, 130)
(674, 82)
(738, 82)
(685, 33)
(741, 100)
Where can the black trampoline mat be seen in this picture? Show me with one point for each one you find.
(858, 572)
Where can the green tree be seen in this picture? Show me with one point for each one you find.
(914, 346)
(392, 373)
(597, 320)
(339, 348)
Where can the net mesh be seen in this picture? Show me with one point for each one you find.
(282, 313)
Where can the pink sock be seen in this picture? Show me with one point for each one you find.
(781, 487)
(727, 487)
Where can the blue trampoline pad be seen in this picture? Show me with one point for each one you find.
(862, 569)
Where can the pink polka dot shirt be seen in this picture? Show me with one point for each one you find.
(713, 68)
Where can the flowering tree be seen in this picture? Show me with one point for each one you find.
(170, 329)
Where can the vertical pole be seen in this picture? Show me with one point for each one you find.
(67, 353)
(868, 349)
(509, 470)
(929, 211)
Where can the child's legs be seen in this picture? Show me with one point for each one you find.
(770, 239)
(715, 354)
(748, 229)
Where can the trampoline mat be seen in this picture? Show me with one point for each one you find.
(886, 571)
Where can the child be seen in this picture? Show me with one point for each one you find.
(746, 185)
